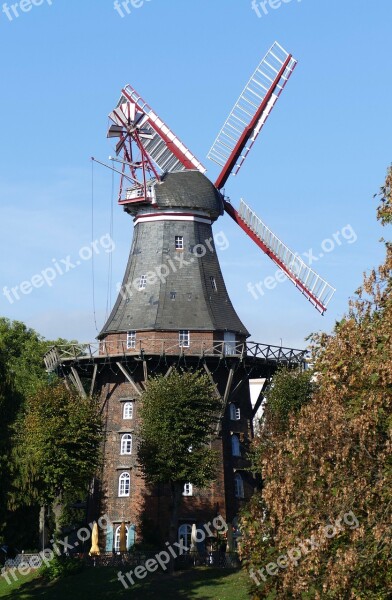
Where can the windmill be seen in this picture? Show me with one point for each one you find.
(173, 309)
(144, 135)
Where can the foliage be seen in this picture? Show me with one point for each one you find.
(22, 372)
(178, 413)
(61, 566)
(23, 354)
(334, 459)
(290, 390)
(57, 444)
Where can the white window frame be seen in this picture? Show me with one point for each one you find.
(179, 242)
(126, 444)
(117, 537)
(235, 445)
(188, 490)
(184, 338)
(128, 410)
(124, 485)
(238, 486)
(235, 412)
(131, 339)
(142, 282)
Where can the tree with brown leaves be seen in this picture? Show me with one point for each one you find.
(321, 527)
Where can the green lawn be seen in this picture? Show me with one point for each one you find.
(102, 584)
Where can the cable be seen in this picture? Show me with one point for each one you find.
(110, 256)
(92, 242)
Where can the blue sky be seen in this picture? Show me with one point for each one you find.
(313, 171)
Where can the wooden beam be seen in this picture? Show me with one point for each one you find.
(78, 383)
(228, 387)
(129, 377)
(225, 398)
(145, 370)
(93, 380)
(213, 382)
(170, 369)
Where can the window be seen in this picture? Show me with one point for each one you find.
(235, 446)
(124, 484)
(131, 340)
(188, 490)
(213, 284)
(128, 410)
(184, 338)
(238, 486)
(179, 242)
(230, 342)
(130, 537)
(173, 295)
(142, 282)
(235, 412)
(185, 534)
(126, 444)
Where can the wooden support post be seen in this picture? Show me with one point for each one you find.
(78, 382)
(145, 370)
(129, 377)
(212, 381)
(93, 380)
(170, 369)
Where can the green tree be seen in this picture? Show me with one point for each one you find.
(23, 354)
(22, 372)
(333, 460)
(57, 443)
(178, 414)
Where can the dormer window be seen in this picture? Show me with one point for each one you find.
(131, 340)
(142, 282)
(213, 283)
(179, 242)
(184, 338)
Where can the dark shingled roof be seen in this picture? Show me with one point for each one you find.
(197, 305)
(189, 189)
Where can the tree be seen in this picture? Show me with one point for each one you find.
(22, 372)
(178, 414)
(326, 500)
(9, 403)
(57, 443)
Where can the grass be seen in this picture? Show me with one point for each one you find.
(102, 584)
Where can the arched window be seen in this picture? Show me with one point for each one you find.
(235, 412)
(235, 446)
(185, 534)
(128, 410)
(131, 537)
(126, 444)
(238, 486)
(188, 490)
(124, 484)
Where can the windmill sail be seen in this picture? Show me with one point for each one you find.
(158, 141)
(251, 111)
(314, 287)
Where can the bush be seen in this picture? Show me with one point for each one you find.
(61, 566)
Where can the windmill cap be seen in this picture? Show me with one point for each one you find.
(190, 190)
